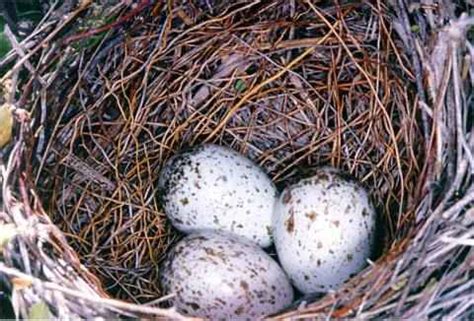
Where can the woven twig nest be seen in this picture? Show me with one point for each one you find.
(102, 96)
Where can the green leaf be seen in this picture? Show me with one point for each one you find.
(240, 85)
(415, 28)
(26, 6)
(4, 45)
(39, 311)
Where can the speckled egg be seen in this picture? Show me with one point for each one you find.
(324, 230)
(215, 188)
(220, 276)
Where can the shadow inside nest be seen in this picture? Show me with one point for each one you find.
(290, 91)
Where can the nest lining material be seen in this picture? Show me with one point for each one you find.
(111, 147)
(290, 85)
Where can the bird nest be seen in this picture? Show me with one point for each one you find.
(103, 95)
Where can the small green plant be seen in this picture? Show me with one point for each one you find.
(4, 43)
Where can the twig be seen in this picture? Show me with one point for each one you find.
(254, 90)
(410, 41)
(21, 53)
(46, 40)
(142, 5)
(90, 297)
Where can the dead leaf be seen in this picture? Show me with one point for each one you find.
(39, 311)
(20, 283)
(400, 284)
(6, 124)
(7, 232)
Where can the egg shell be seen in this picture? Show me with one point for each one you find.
(215, 188)
(221, 276)
(324, 229)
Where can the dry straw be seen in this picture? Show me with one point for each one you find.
(103, 95)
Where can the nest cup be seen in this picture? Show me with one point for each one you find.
(290, 84)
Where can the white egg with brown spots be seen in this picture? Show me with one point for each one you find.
(225, 277)
(215, 188)
(324, 229)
